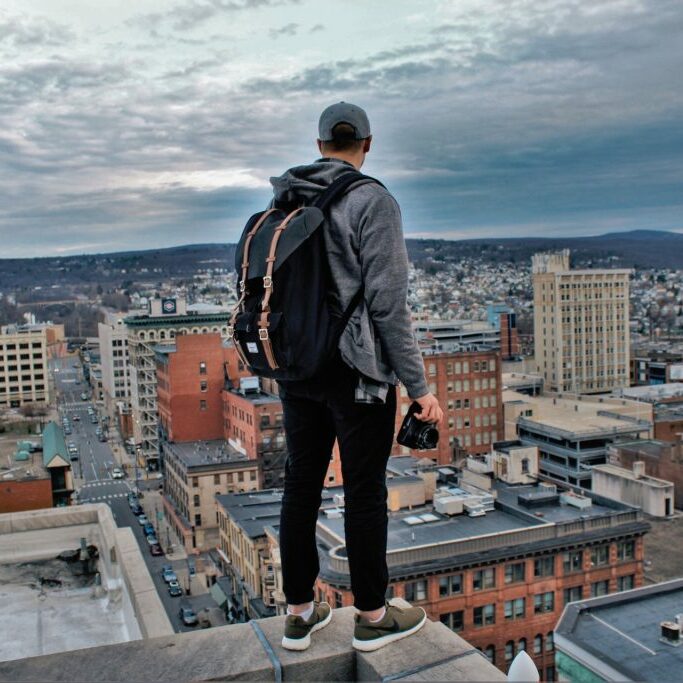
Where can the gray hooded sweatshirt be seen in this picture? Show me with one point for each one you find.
(364, 240)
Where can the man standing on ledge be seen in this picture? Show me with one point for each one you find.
(354, 399)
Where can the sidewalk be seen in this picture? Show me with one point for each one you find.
(154, 509)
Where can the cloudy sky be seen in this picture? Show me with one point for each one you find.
(131, 124)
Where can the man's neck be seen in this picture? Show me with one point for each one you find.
(354, 159)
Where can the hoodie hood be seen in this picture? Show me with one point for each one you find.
(305, 183)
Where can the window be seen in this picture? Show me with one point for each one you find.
(202, 404)
(626, 550)
(600, 555)
(195, 482)
(544, 602)
(490, 653)
(416, 590)
(572, 561)
(203, 386)
(484, 615)
(196, 500)
(544, 566)
(514, 573)
(550, 674)
(216, 479)
(573, 594)
(454, 620)
(450, 585)
(197, 520)
(483, 579)
(625, 583)
(337, 600)
(202, 367)
(514, 609)
(599, 588)
(509, 650)
(521, 645)
(538, 644)
(549, 643)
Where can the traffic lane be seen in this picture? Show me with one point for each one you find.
(125, 517)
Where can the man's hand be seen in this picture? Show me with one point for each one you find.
(431, 410)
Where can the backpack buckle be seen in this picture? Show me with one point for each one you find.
(263, 333)
(267, 281)
(241, 285)
(230, 331)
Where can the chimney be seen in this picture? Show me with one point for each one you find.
(639, 469)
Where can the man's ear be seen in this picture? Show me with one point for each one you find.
(366, 144)
(320, 146)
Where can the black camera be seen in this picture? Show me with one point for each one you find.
(415, 433)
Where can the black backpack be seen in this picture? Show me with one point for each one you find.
(283, 325)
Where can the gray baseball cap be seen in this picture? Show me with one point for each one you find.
(343, 112)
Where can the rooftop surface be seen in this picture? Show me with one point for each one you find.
(652, 393)
(205, 453)
(626, 473)
(652, 447)
(622, 631)
(256, 397)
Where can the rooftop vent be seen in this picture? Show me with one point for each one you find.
(412, 521)
(670, 632)
(249, 385)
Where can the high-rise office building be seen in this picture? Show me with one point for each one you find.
(581, 333)
(23, 365)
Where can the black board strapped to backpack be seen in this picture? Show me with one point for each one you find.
(282, 325)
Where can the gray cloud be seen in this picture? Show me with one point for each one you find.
(555, 116)
(290, 29)
(21, 32)
(316, 28)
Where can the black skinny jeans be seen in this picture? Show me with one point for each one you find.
(315, 411)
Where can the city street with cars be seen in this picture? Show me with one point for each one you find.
(100, 478)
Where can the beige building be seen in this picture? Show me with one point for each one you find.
(581, 331)
(634, 487)
(23, 365)
(573, 432)
(114, 361)
(196, 472)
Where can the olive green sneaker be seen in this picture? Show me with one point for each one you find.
(298, 631)
(397, 623)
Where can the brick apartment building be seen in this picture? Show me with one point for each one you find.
(496, 564)
(190, 380)
(468, 386)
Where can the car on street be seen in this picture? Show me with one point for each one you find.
(117, 473)
(101, 437)
(156, 549)
(168, 574)
(93, 419)
(188, 616)
(148, 528)
(84, 396)
(152, 539)
(137, 510)
(67, 430)
(142, 520)
(133, 500)
(76, 417)
(174, 589)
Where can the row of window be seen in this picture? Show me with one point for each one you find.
(13, 346)
(463, 367)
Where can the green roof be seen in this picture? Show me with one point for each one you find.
(54, 445)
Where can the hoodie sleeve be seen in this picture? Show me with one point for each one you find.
(384, 265)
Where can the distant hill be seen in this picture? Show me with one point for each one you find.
(636, 249)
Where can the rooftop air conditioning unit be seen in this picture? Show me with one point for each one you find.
(338, 499)
(249, 385)
(333, 513)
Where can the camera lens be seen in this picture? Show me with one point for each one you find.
(428, 437)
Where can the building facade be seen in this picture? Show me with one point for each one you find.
(114, 363)
(23, 365)
(581, 325)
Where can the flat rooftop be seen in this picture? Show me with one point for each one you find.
(652, 393)
(256, 397)
(625, 473)
(622, 631)
(206, 453)
(651, 447)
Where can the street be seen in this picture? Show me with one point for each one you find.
(95, 484)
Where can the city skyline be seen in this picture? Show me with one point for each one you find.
(129, 128)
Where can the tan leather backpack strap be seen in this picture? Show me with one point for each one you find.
(263, 323)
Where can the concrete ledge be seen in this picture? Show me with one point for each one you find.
(435, 653)
(232, 653)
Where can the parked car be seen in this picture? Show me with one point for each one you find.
(174, 589)
(101, 437)
(117, 473)
(188, 616)
(93, 419)
(67, 430)
(156, 549)
(168, 574)
(84, 396)
(142, 520)
(76, 417)
(152, 539)
(137, 510)
(148, 528)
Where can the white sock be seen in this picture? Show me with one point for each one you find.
(379, 618)
(304, 615)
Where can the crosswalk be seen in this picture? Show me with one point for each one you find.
(75, 404)
(109, 496)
